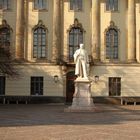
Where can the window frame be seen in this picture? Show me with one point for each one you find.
(74, 47)
(76, 24)
(8, 3)
(7, 26)
(112, 26)
(36, 81)
(41, 9)
(74, 9)
(40, 36)
(3, 78)
(116, 82)
(40, 24)
(112, 10)
(112, 45)
(5, 37)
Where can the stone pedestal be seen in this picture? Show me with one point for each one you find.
(82, 101)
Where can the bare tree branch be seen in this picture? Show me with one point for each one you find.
(6, 64)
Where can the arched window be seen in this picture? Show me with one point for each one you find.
(39, 41)
(112, 43)
(5, 35)
(75, 38)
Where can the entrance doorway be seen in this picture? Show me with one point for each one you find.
(70, 86)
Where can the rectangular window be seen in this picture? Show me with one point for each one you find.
(40, 4)
(36, 85)
(114, 86)
(4, 4)
(111, 5)
(2, 85)
(76, 5)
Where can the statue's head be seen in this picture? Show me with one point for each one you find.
(81, 46)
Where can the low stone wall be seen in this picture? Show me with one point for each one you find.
(56, 99)
(30, 99)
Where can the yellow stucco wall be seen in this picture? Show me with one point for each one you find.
(84, 17)
(130, 77)
(10, 17)
(130, 74)
(120, 20)
(21, 85)
(32, 19)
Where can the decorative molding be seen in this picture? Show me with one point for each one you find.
(5, 25)
(76, 24)
(40, 24)
(112, 26)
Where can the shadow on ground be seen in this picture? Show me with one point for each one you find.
(30, 115)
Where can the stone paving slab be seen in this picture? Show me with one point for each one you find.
(50, 122)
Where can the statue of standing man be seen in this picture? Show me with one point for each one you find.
(81, 62)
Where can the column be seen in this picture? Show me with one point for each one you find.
(20, 30)
(96, 29)
(56, 31)
(131, 31)
(26, 8)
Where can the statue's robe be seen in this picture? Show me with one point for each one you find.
(81, 60)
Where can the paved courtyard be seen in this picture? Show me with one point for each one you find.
(50, 122)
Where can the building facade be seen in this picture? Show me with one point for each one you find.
(43, 35)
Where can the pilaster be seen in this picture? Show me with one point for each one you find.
(56, 31)
(20, 30)
(131, 31)
(96, 29)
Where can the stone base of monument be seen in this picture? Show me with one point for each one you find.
(82, 101)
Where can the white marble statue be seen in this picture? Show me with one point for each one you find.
(81, 62)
